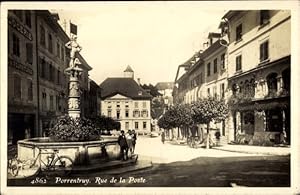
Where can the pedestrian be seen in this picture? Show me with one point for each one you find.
(283, 137)
(129, 142)
(163, 137)
(134, 138)
(123, 145)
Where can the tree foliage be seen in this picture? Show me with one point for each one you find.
(176, 116)
(206, 110)
(106, 123)
(152, 89)
(67, 128)
(157, 107)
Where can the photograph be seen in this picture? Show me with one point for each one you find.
(155, 97)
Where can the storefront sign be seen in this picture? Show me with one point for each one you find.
(19, 27)
(20, 66)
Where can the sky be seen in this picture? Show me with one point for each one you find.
(153, 38)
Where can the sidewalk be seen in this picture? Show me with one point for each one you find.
(249, 149)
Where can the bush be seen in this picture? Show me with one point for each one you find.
(68, 129)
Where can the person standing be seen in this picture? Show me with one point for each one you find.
(123, 145)
(129, 142)
(134, 138)
(163, 137)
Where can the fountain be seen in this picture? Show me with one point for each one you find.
(82, 151)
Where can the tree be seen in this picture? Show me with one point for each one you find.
(106, 123)
(152, 90)
(157, 107)
(183, 118)
(205, 111)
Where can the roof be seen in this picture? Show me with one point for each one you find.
(124, 86)
(164, 85)
(214, 35)
(128, 69)
(228, 15)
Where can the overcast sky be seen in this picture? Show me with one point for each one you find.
(153, 38)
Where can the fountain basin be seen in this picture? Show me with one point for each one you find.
(81, 152)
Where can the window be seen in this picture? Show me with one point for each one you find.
(222, 90)
(50, 47)
(215, 92)
(126, 113)
(44, 101)
(208, 69)
(50, 72)
(264, 51)
(118, 106)
(17, 86)
(58, 49)
(144, 125)
(28, 18)
(144, 104)
(109, 113)
(272, 83)
(29, 53)
(42, 37)
(118, 114)
(216, 65)
(62, 53)
(51, 102)
(208, 92)
(144, 113)
(264, 17)
(43, 68)
(16, 45)
(57, 103)
(30, 90)
(238, 63)
(136, 113)
(223, 61)
(136, 104)
(58, 77)
(136, 125)
(126, 125)
(238, 32)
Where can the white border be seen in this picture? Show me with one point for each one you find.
(294, 6)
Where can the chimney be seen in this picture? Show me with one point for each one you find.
(139, 81)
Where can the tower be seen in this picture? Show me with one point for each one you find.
(128, 72)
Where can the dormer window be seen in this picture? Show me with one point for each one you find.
(140, 93)
(264, 17)
(238, 32)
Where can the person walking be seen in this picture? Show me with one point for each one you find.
(129, 142)
(123, 145)
(163, 137)
(134, 138)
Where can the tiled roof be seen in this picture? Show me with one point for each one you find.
(164, 85)
(124, 86)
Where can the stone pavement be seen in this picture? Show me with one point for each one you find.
(249, 149)
(152, 149)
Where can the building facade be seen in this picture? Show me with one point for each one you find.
(205, 76)
(52, 61)
(166, 89)
(259, 75)
(37, 85)
(124, 100)
(22, 75)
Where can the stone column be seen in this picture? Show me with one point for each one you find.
(74, 72)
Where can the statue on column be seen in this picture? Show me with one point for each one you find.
(74, 47)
